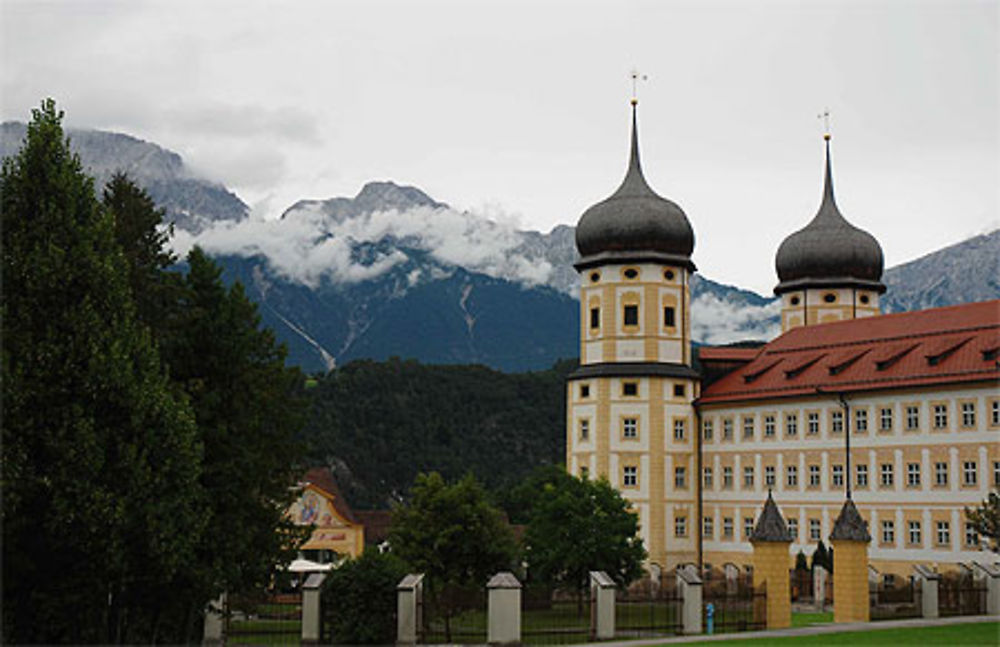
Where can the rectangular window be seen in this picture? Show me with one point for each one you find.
(837, 422)
(913, 474)
(971, 536)
(940, 416)
(595, 317)
(815, 530)
(631, 315)
(812, 420)
(678, 430)
(814, 476)
(727, 478)
(668, 317)
(793, 528)
(941, 474)
(995, 413)
(769, 426)
(747, 478)
(584, 390)
(727, 428)
(584, 429)
(706, 430)
(968, 414)
(791, 424)
(748, 426)
(888, 532)
(969, 472)
(914, 529)
(885, 419)
(861, 421)
(861, 479)
(681, 526)
(769, 475)
(678, 390)
(838, 475)
(680, 477)
(912, 418)
(630, 427)
(747, 527)
(943, 532)
(584, 472)
(708, 527)
(706, 478)
(886, 475)
(792, 473)
(630, 389)
(996, 472)
(630, 476)
(727, 527)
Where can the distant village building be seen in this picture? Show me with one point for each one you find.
(337, 532)
(697, 440)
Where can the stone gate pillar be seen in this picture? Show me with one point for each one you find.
(850, 541)
(771, 542)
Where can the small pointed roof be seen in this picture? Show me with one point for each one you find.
(770, 524)
(634, 223)
(849, 524)
(829, 251)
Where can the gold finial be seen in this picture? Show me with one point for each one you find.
(825, 116)
(636, 77)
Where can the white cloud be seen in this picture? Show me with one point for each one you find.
(715, 321)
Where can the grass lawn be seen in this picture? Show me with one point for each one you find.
(807, 619)
(982, 633)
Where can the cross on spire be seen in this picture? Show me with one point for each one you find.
(636, 77)
(825, 116)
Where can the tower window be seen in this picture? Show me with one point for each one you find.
(795, 301)
(864, 298)
(584, 390)
(678, 390)
(630, 388)
(630, 428)
(668, 317)
(830, 297)
(631, 315)
(669, 275)
(631, 273)
(595, 277)
(595, 317)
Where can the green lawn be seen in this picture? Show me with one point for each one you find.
(983, 633)
(807, 619)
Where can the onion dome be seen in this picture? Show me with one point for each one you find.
(829, 251)
(634, 224)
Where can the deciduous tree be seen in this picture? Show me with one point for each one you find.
(985, 519)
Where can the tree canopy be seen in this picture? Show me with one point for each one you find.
(985, 519)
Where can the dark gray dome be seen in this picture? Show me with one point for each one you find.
(634, 224)
(829, 251)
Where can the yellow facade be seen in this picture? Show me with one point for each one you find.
(770, 569)
(850, 581)
(823, 305)
(331, 530)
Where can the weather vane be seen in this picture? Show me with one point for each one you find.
(636, 77)
(825, 116)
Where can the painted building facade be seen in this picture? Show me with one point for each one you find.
(336, 532)
(697, 450)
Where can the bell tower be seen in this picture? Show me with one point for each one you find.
(629, 412)
(829, 270)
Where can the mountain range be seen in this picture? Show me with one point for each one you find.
(393, 272)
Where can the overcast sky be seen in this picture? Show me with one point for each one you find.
(519, 110)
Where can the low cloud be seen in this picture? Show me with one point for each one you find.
(307, 247)
(716, 321)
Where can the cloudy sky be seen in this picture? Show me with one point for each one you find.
(519, 110)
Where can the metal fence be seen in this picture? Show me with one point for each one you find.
(736, 604)
(455, 615)
(894, 602)
(649, 610)
(556, 616)
(271, 619)
(961, 596)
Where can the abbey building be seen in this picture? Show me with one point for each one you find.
(695, 438)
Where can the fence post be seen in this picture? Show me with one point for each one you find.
(850, 538)
(409, 608)
(928, 591)
(215, 622)
(992, 575)
(312, 615)
(602, 591)
(504, 610)
(690, 586)
(819, 587)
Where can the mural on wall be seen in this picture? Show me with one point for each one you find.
(313, 508)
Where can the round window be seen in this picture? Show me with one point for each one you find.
(794, 301)
(631, 273)
(864, 298)
(595, 277)
(669, 275)
(829, 297)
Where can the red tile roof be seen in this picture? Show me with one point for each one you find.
(727, 353)
(929, 347)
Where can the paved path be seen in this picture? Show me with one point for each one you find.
(812, 630)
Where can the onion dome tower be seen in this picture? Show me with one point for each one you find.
(630, 417)
(829, 270)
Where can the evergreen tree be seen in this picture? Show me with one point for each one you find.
(100, 459)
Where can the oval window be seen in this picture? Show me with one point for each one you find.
(595, 277)
(794, 301)
(829, 297)
(631, 273)
(669, 275)
(864, 298)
